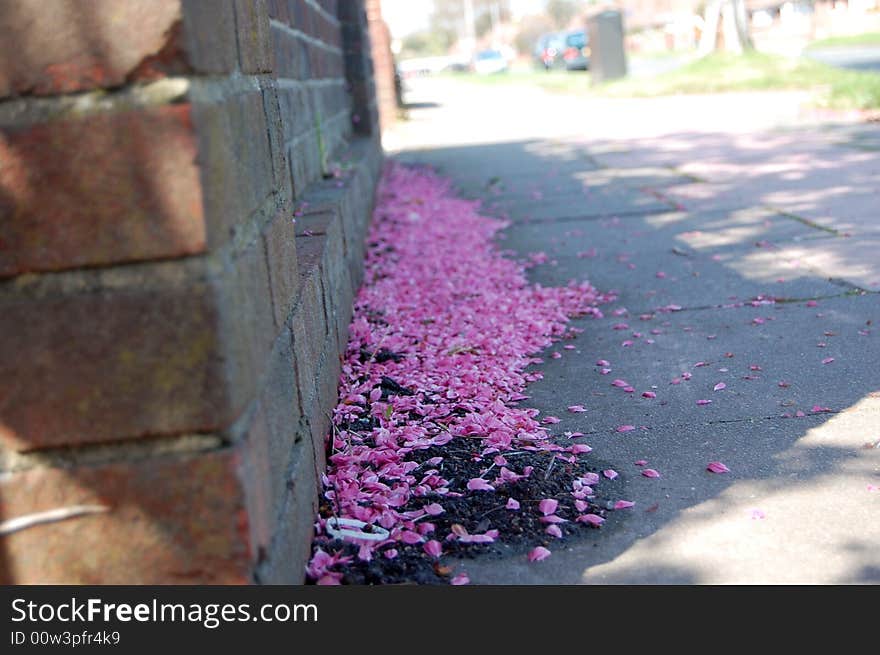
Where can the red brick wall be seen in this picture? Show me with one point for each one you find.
(169, 335)
(383, 64)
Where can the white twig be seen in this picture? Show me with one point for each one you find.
(50, 516)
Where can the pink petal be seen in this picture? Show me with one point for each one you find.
(626, 428)
(827, 360)
(719, 386)
(581, 505)
(391, 553)
(538, 553)
(434, 509)
(552, 518)
(460, 579)
(592, 519)
(330, 578)
(550, 420)
(620, 383)
(640, 462)
(650, 473)
(479, 484)
(717, 467)
(758, 514)
(580, 448)
(410, 537)
(609, 473)
(649, 394)
(603, 362)
(576, 409)
(554, 531)
(623, 504)
(433, 548)
(548, 506)
(703, 402)
(555, 355)
(512, 504)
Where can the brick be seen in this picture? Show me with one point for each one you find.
(210, 35)
(246, 322)
(171, 520)
(290, 54)
(74, 47)
(309, 322)
(252, 23)
(106, 43)
(115, 355)
(295, 110)
(292, 538)
(280, 242)
(282, 185)
(235, 159)
(99, 189)
(95, 364)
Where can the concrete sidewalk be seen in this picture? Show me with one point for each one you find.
(696, 220)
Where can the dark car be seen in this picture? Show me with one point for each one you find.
(548, 50)
(575, 53)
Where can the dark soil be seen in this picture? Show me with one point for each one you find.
(477, 512)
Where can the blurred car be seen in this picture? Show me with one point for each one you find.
(548, 49)
(489, 62)
(576, 51)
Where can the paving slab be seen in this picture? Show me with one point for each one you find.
(693, 260)
(741, 208)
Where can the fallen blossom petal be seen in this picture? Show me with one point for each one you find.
(554, 531)
(538, 554)
(704, 402)
(590, 519)
(330, 578)
(623, 504)
(827, 360)
(548, 506)
(758, 514)
(603, 362)
(576, 409)
(479, 484)
(434, 509)
(391, 553)
(640, 462)
(717, 467)
(650, 473)
(433, 547)
(460, 579)
(719, 386)
(649, 394)
(625, 428)
(552, 518)
(580, 449)
(512, 504)
(609, 473)
(550, 420)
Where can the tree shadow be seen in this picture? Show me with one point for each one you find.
(725, 287)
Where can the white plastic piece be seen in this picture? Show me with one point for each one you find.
(353, 529)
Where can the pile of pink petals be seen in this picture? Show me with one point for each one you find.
(457, 325)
